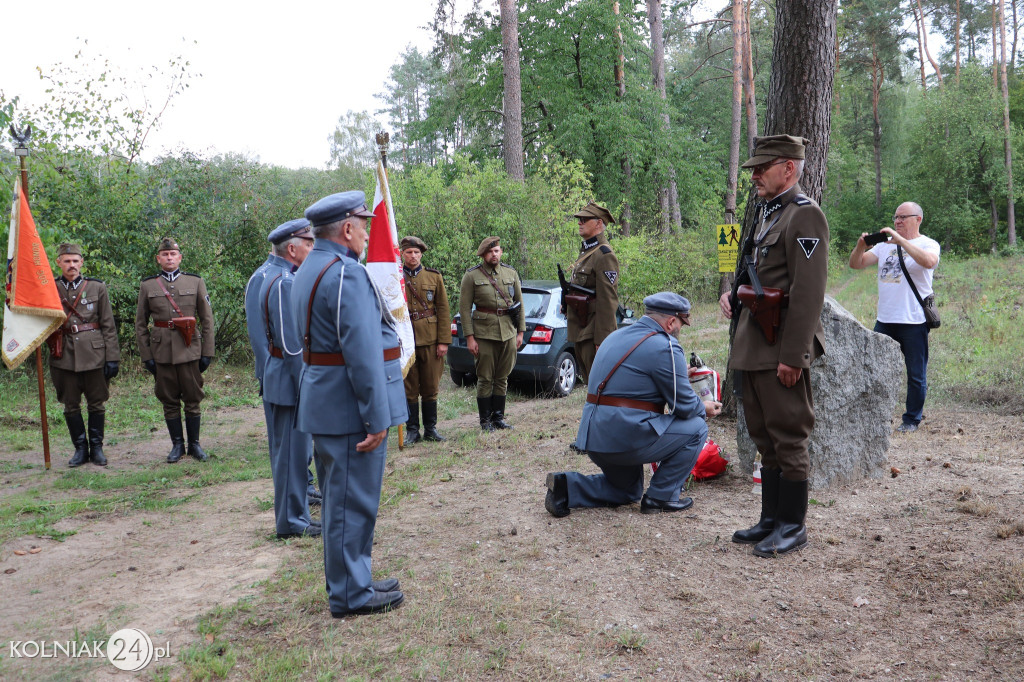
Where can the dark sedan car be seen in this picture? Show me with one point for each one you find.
(547, 359)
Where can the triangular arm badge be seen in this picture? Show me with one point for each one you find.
(808, 244)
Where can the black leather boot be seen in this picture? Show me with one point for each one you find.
(96, 420)
(412, 426)
(498, 412)
(76, 427)
(483, 406)
(769, 502)
(790, 533)
(192, 422)
(430, 422)
(177, 440)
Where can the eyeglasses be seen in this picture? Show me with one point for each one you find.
(904, 217)
(763, 168)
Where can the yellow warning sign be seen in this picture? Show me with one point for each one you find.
(728, 238)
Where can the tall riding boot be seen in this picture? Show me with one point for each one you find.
(412, 426)
(769, 503)
(430, 422)
(790, 533)
(177, 440)
(498, 412)
(483, 406)
(96, 420)
(76, 427)
(192, 422)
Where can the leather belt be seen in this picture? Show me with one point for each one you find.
(430, 312)
(615, 401)
(494, 311)
(166, 324)
(75, 328)
(337, 359)
(275, 352)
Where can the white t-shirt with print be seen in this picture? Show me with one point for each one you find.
(896, 301)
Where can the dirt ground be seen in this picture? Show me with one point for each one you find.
(906, 577)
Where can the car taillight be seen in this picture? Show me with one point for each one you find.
(455, 329)
(542, 334)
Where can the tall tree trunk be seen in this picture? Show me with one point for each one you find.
(512, 111)
(748, 81)
(877, 78)
(995, 42)
(627, 167)
(668, 195)
(1011, 223)
(920, 49)
(924, 42)
(1013, 53)
(957, 41)
(737, 111)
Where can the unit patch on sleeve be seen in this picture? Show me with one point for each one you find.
(808, 244)
(612, 276)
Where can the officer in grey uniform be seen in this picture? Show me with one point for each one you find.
(84, 354)
(176, 352)
(350, 393)
(290, 449)
(639, 371)
(491, 308)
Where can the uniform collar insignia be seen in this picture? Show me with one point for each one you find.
(72, 285)
(589, 243)
(412, 273)
(171, 276)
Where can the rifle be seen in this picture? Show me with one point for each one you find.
(579, 297)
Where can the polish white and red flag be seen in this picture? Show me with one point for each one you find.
(384, 264)
(32, 308)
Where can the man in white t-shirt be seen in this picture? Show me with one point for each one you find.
(900, 316)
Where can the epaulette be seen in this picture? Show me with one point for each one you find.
(146, 279)
(192, 274)
(508, 266)
(436, 272)
(605, 249)
(93, 279)
(474, 267)
(801, 200)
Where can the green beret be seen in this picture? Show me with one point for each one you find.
(593, 210)
(69, 249)
(411, 242)
(487, 244)
(772, 147)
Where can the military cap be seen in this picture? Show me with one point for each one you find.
(337, 207)
(774, 146)
(412, 242)
(168, 244)
(668, 303)
(293, 228)
(593, 210)
(69, 249)
(487, 244)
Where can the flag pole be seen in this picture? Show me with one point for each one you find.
(21, 151)
(382, 139)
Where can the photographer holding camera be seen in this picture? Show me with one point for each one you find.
(900, 314)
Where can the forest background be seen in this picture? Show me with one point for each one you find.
(631, 104)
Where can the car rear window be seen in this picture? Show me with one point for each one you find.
(535, 303)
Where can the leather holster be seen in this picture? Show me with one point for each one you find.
(766, 310)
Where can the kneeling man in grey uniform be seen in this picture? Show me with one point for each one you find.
(638, 372)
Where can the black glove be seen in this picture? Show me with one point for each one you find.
(204, 362)
(150, 366)
(110, 370)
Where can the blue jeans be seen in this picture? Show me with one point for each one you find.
(913, 340)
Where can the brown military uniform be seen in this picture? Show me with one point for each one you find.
(597, 269)
(494, 323)
(89, 341)
(178, 379)
(791, 251)
(431, 325)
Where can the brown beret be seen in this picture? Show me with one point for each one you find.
(593, 210)
(412, 242)
(487, 244)
(69, 249)
(168, 244)
(773, 147)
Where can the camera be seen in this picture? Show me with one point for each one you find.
(876, 238)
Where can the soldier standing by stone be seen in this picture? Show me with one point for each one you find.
(84, 354)
(596, 269)
(789, 251)
(431, 326)
(494, 328)
(174, 351)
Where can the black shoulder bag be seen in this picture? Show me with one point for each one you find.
(931, 314)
